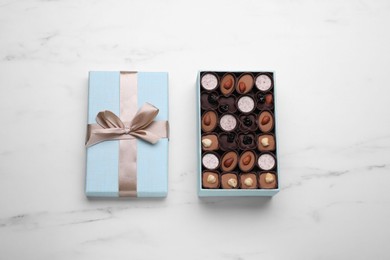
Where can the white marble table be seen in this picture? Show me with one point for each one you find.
(332, 64)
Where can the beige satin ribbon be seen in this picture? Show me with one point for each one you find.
(110, 127)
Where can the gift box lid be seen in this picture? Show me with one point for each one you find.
(102, 159)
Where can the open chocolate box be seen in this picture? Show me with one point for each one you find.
(237, 134)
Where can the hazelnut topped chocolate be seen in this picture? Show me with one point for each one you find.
(245, 83)
(210, 142)
(266, 142)
(229, 181)
(227, 84)
(210, 180)
(248, 181)
(267, 180)
(209, 81)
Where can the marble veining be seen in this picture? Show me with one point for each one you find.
(331, 63)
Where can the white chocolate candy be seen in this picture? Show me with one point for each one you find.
(228, 122)
(246, 104)
(266, 162)
(209, 81)
(210, 161)
(263, 82)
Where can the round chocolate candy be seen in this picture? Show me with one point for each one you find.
(266, 161)
(228, 122)
(209, 81)
(246, 104)
(210, 161)
(263, 82)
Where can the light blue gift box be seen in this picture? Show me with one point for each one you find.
(102, 158)
(227, 192)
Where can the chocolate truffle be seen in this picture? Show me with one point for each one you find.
(229, 161)
(227, 104)
(228, 141)
(266, 143)
(246, 104)
(248, 123)
(210, 180)
(265, 101)
(210, 142)
(209, 81)
(247, 141)
(227, 84)
(246, 161)
(263, 82)
(267, 180)
(245, 83)
(266, 121)
(209, 121)
(209, 100)
(248, 181)
(229, 181)
(266, 162)
(210, 161)
(228, 122)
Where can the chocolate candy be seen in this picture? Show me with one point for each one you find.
(238, 141)
(248, 181)
(267, 180)
(247, 161)
(263, 82)
(227, 84)
(229, 181)
(210, 180)
(209, 81)
(266, 161)
(210, 161)
(210, 142)
(209, 121)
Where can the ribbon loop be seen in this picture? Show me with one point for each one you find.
(110, 127)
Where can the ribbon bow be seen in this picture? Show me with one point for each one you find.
(110, 127)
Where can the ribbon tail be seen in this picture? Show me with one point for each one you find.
(146, 136)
